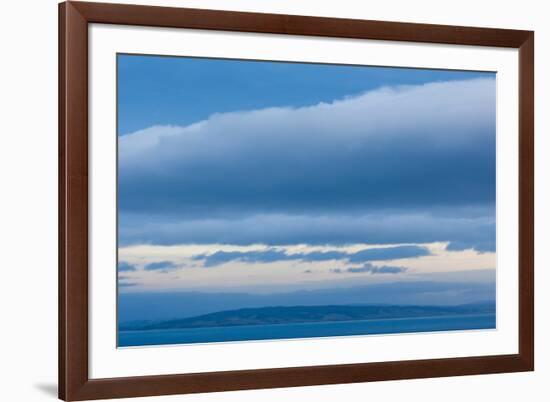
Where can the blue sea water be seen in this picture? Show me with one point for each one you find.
(306, 330)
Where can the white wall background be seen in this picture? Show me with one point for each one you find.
(28, 201)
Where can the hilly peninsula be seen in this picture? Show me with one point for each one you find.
(308, 314)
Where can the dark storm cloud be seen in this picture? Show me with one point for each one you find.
(400, 152)
(273, 255)
(420, 146)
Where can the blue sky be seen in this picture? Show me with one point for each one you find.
(265, 178)
(155, 90)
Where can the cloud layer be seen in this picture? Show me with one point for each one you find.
(372, 269)
(407, 164)
(125, 267)
(160, 266)
(274, 255)
(468, 230)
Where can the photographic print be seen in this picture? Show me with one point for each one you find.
(262, 200)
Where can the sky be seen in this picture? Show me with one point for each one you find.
(269, 177)
(157, 90)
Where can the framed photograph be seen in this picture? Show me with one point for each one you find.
(259, 200)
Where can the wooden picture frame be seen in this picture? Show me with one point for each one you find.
(74, 381)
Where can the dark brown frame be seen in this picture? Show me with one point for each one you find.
(74, 382)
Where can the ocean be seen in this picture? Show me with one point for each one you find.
(305, 330)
